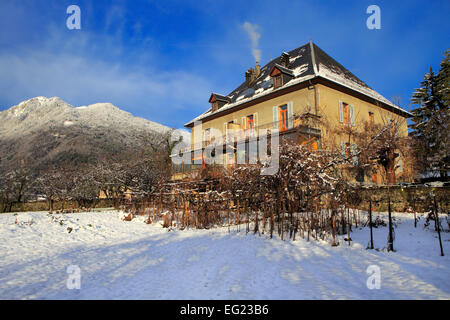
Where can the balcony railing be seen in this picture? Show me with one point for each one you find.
(235, 133)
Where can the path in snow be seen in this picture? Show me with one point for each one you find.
(132, 260)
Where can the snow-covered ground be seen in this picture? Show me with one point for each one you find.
(133, 260)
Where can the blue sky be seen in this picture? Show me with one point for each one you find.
(162, 59)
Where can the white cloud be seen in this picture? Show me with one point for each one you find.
(69, 68)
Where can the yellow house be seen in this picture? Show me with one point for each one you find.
(290, 93)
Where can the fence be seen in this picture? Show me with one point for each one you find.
(207, 204)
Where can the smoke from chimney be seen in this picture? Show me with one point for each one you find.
(252, 30)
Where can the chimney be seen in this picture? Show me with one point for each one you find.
(284, 60)
(257, 70)
(249, 76)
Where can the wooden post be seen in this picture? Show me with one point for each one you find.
(238, 218)
(246, 211)
(315, 219)
(333, 221)
(271, 220)
(436, 221)
(183, 218)
(264, 217)
(228, 210)
(370, 224)
(391, 236)
(349, 226)
(173, 210)
(160, 202)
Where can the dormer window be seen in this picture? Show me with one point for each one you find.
(218, 101)
(277, 81)
(280, 76)
(214, 106)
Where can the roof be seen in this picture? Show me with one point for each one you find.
(305, 63)
(219, 97)
(282, 69)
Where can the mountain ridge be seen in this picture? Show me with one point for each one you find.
(57, 111)
(49, 132)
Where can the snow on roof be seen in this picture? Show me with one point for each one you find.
(304, 67)
(339, 78)
(253, 97)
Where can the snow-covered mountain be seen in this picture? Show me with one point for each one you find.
(42, 113)
(49, 130)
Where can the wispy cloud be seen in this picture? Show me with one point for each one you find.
(82, 81)
(161, 60)
(84, 68)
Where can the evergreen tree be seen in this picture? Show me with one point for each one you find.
(444, 78)
(443, 82)
(430, 121)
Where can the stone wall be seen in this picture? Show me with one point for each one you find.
(406, 197)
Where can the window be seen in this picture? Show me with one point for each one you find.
(283, 117)
(371, 118)
(277, 81)
(215, 106)
(250, 122)
(229, 130)
(207, 136)
(346, 112)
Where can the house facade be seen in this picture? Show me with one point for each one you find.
(304, 94)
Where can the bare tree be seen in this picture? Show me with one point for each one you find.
(53, 185)
(15, 185)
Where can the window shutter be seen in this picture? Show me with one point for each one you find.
(234, 133)
(244, 124)
(275, 117)
(352, 115)
(341, 112)
(225, 131)
(290, 115)
(355, 157)
(255, 120)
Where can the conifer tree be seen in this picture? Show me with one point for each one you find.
(430, 121)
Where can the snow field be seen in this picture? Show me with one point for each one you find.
(133, 260)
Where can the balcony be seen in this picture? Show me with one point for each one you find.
(303, 129)
(298, 124)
